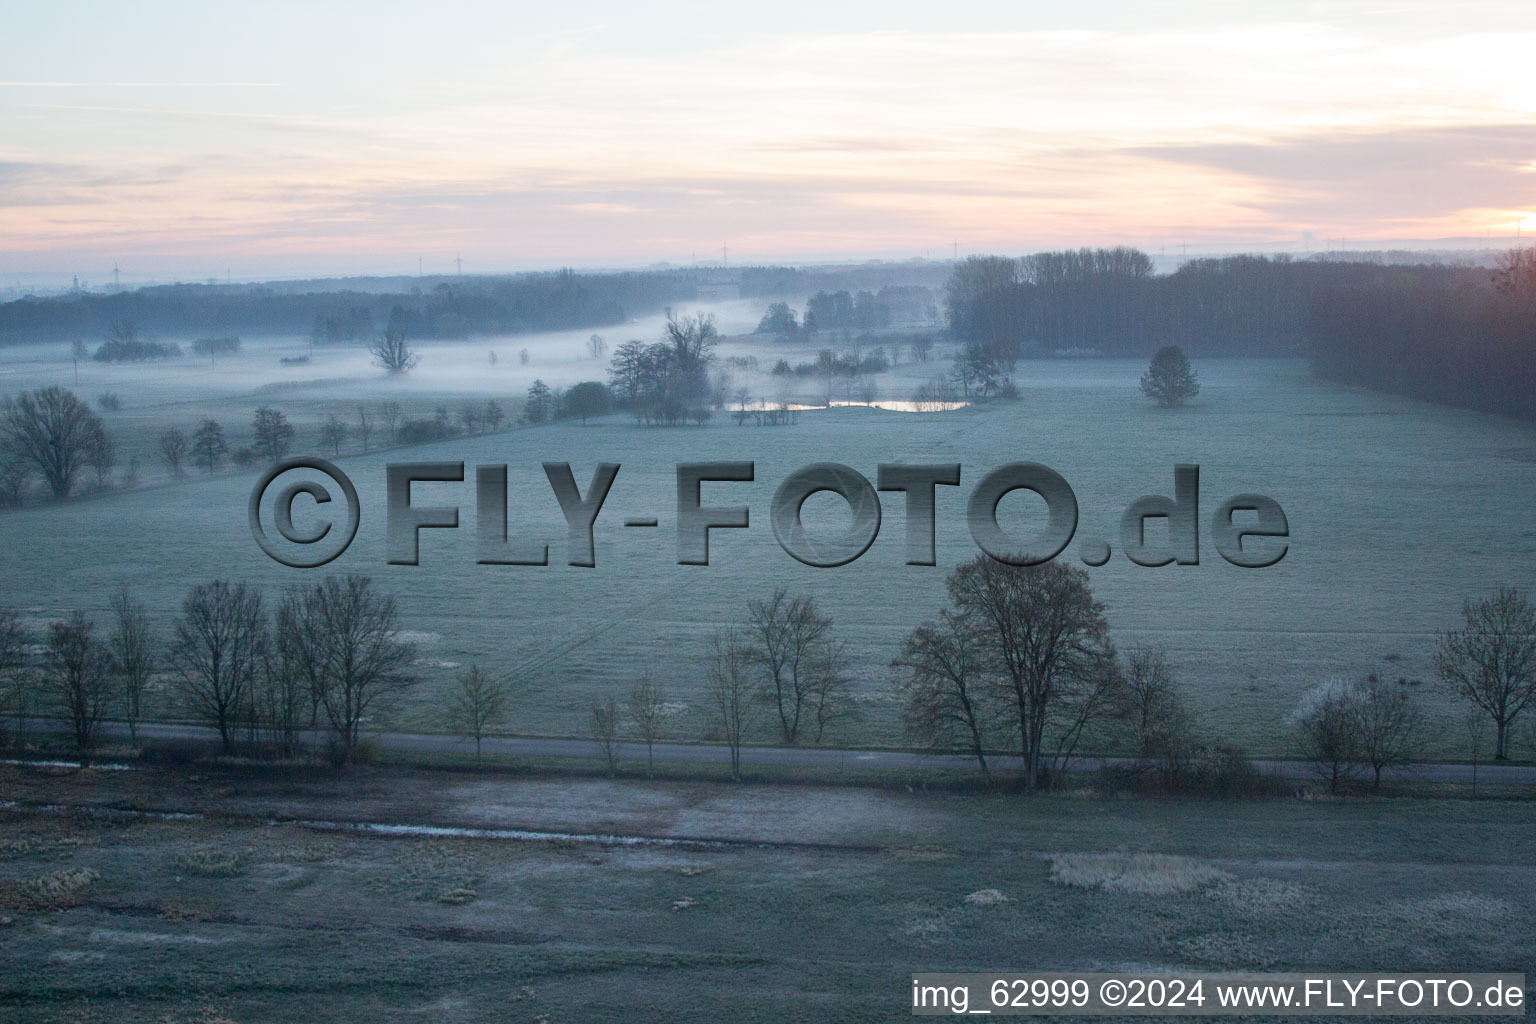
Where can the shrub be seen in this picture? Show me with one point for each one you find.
(210, 863)
(135, 351)
(50, 892)
(423, 431)
(109, 402)
(1142, 874)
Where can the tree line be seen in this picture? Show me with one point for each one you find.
(844, 311)
(327, 656)
(52, 436)
(454, 308)
(1021, 662)
(1110, 302)
(667, 382)
(1434, 337)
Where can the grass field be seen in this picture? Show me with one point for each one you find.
(1398, 512)
(228, 917)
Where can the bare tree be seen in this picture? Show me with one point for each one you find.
(1045, 635)
(604, 724)
(76, 668)
(280, 691)
(217, 648)
(390, 413)
(787, 636)
(343, 635)
(132, 655)
(827, 691)
(647, 710)
(101, 454)
(333, 432)
(173, 447)
(743, 400)
(596, 346)
(944, 688)
(1492, 662)
(390, 351)
(477, 704)
(1389, 726)
(731, 691)
(51, 431)
(364, 425)
(1151, 703)
(1327, 732)
(1476, 724)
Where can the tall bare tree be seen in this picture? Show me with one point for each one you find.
(76, 668)
(944, 688)
(344, 635)
(647, 706)
(828, 688)
(1491, 663)
(789, 639)
(132, 654)
(477, 704)
(1046, 636)
(51, 431)
(1389, 726)
(218, 647)
(280, 692)
(731, 691)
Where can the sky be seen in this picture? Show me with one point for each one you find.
(276, 139)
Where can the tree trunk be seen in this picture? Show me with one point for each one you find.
(1498, 741)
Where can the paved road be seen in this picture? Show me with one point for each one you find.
(549, 746)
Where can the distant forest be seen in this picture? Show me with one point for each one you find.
(445, 308)
(1435, 337)
(1457, 335)
(456, 308)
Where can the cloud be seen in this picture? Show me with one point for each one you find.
(1411, 173)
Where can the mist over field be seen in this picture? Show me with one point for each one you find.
(326, 331)
(1378, 492)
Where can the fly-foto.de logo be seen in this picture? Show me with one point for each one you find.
(1248, 530)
